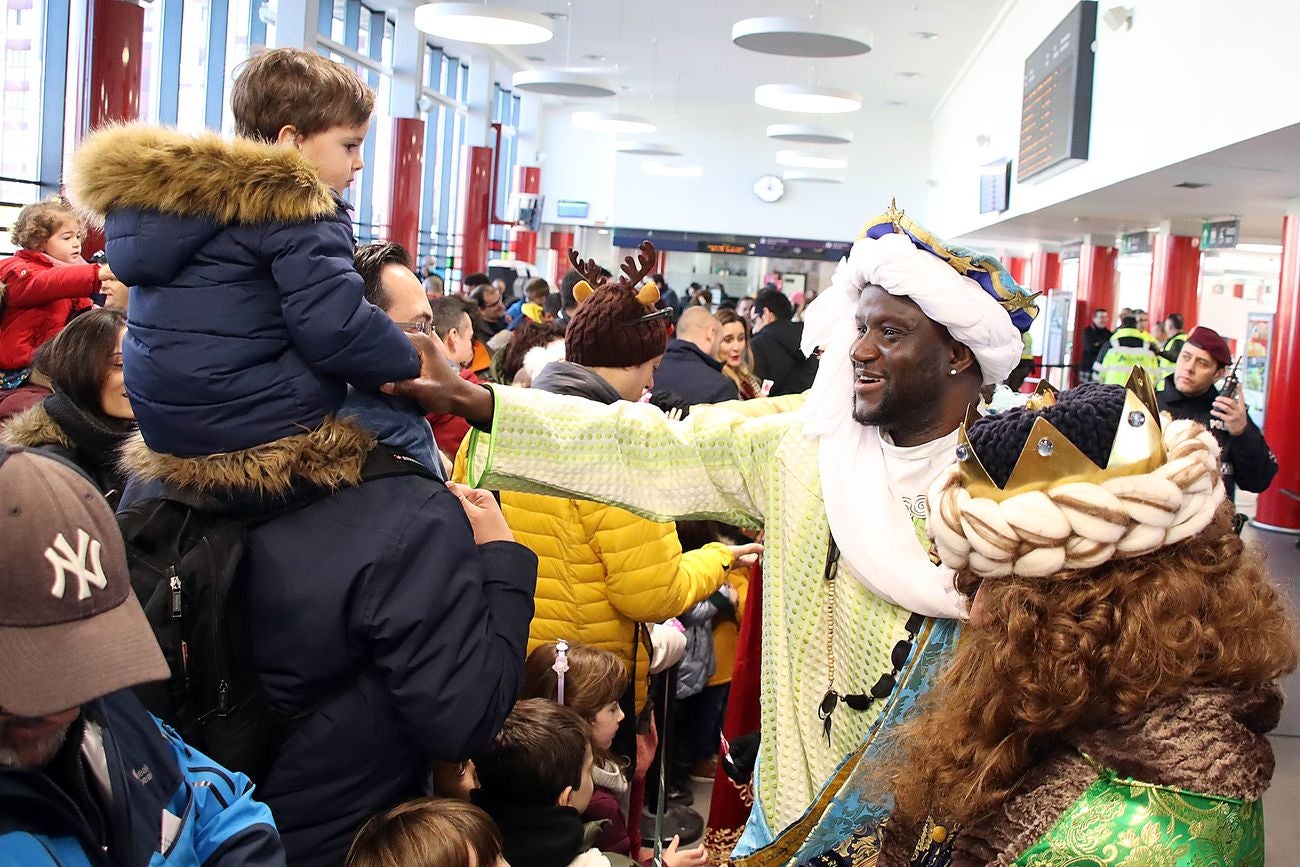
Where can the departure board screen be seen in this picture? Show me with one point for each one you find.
(1056, 112)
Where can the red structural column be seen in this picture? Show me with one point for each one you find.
(408, 181)
(1017, 266)
(1045, 271)
(1096, 289)
(478, 209)
(528, 180)
(1282, 417)
(561, 243)
(1175, 277)
(115, 48)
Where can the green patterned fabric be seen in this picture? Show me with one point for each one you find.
(1119, 821)
(753, 472)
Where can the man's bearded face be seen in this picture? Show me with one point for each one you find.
(899, 363)
(32, 742)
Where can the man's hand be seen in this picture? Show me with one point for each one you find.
(439, 388)
(105, 273)
(484, 514)
(1232, 412)
(744, 555)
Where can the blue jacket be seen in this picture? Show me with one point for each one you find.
(151, 770)
(375, 623)
(247, 320)
(692, 375)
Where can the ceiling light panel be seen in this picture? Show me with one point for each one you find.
(801, 37)
(807, 99)
(603, 121)
(807, 133)
(805, 160)
(808, 177)
(483, 25)
(561, 83)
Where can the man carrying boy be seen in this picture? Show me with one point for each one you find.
(385, 628)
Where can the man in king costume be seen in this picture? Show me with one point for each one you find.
(859, 615)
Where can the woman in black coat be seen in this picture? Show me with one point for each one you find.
(88, 416)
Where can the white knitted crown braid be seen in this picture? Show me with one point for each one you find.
(1080, 525)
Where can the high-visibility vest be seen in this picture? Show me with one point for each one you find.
(1114, 367)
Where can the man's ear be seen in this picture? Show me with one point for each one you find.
(288, 135)
(566, 797)
(961, 358)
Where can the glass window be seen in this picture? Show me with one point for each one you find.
(151, 62)
(238, 47)
(22, 34)
(192, 103)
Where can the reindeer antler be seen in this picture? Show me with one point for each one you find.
(589, 270)
(635, 271)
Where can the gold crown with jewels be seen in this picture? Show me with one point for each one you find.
(1049, 458)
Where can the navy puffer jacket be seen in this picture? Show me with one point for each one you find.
(247, 320)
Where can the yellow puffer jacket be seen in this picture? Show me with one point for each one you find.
(602, 570)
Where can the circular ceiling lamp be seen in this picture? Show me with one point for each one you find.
(802, 160)
(801, 37)
(483, 25)
(604, 121)
(811, 177)
(807, 133)
(667, 170)
(807, 99)
(561, 83)
(649, 149)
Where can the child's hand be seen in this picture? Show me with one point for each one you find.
(689, 858)
(484, 514)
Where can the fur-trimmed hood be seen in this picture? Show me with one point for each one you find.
(330, 456)
(202, 176)
(34, 428)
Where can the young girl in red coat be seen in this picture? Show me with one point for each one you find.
(593, 682)
(43, 285)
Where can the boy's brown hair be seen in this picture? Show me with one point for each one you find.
(38, 222)
(288, 86)
(540, 751)
(430, 832)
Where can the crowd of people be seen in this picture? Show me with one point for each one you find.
(307, 562)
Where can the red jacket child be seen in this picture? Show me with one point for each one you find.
(40, 295)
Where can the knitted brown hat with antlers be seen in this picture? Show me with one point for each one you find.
(616, 325)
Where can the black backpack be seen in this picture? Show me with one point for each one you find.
(185, 556)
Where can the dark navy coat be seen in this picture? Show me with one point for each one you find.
(687, 372)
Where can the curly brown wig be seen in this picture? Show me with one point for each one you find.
(1083, 650)
(38, 222)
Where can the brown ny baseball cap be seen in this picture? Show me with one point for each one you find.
(71, 629)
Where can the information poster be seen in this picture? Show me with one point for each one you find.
(1254, 364)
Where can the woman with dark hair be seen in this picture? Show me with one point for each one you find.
(88, 416)
(1110, 698)
(733, 352)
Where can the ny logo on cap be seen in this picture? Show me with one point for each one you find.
(65, 560)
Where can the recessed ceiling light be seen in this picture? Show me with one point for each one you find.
(907, 74)
(803, 98)
(598, 58)
(602, 121)
(803, 160)
(556, 16)
(645, 148)
(801, 37)
(1190, 185)
(561, 83)
(924, 34)
(808, 133)
(533, 58)
(665, 170)
(895, 103)
(811, 177)
(482, 25)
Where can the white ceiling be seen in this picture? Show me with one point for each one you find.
(663, 52)
(1253, 180)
